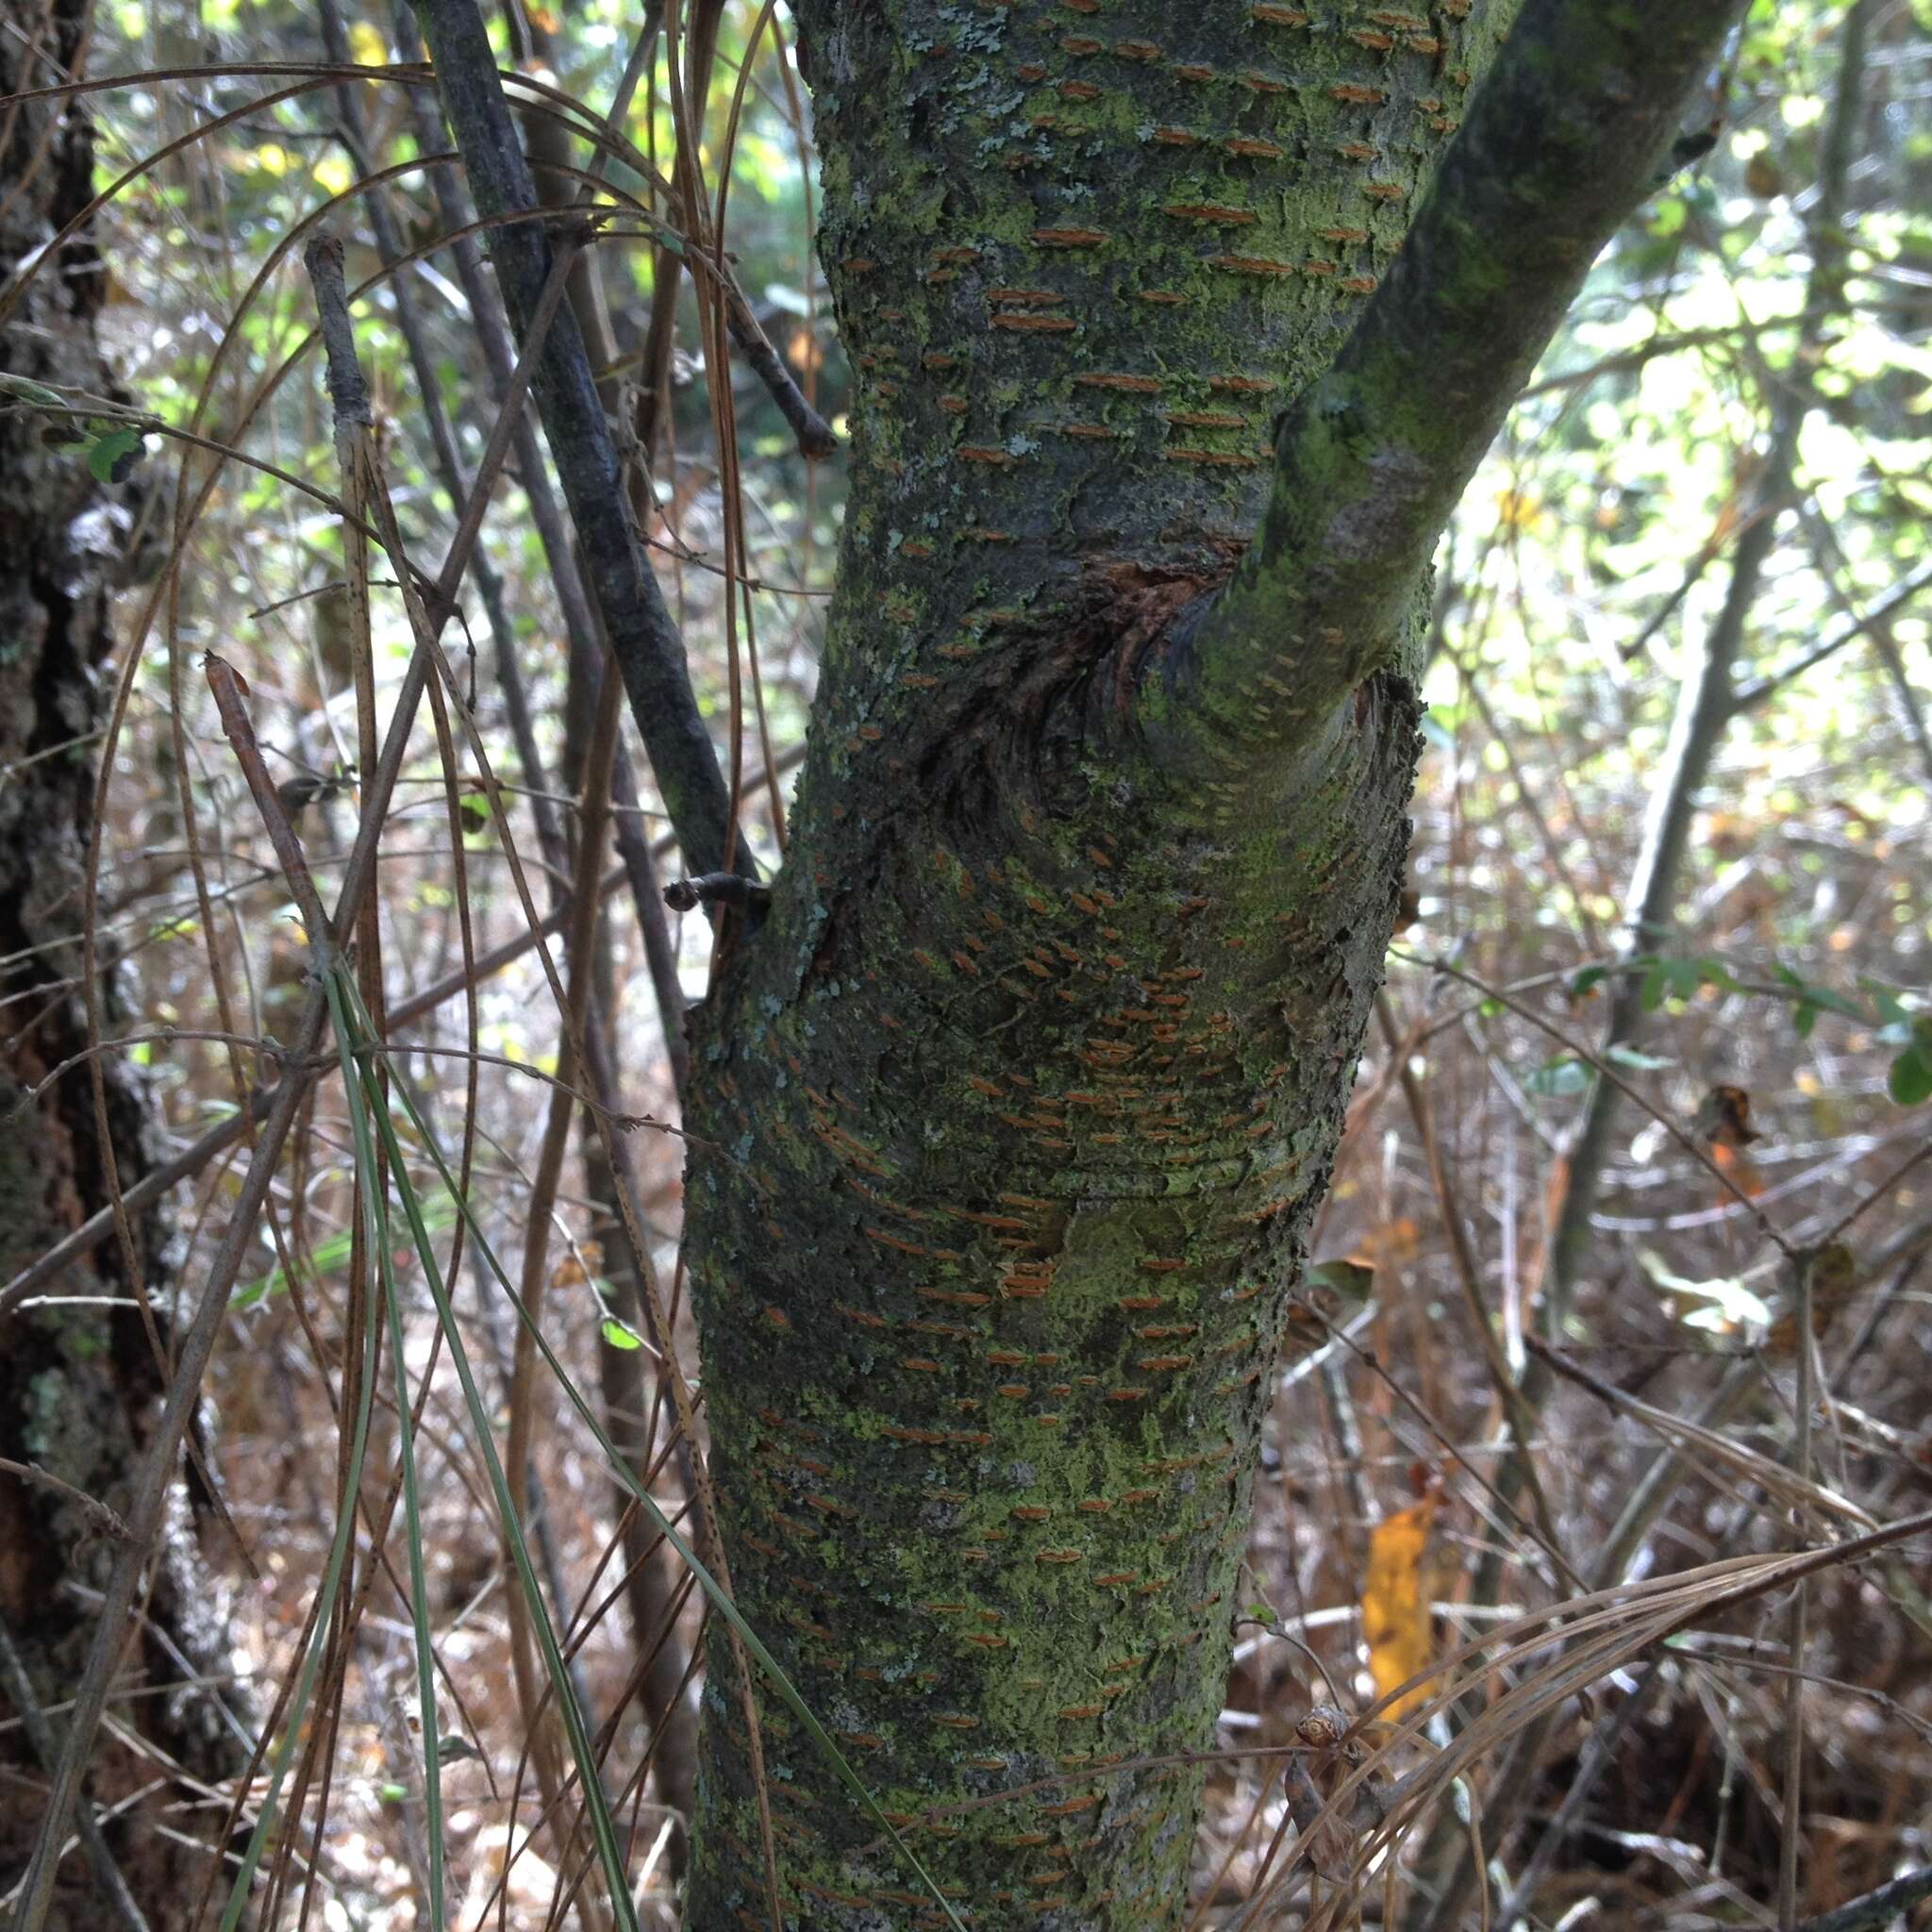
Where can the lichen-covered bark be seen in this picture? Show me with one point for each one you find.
(1559, 145)
(1009, 1120)
(77, 1382)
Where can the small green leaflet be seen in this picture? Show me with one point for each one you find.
(1352, 1280)
(1812, 1000)
(323, 1260)
(113, 456)
(1910, 1080)
(1892, 1011)
(29, 392)
(1622, 1055)
(1557, 1077)
(116, 448)
(1666, 978)
(1882, 1010)
(618, 1336)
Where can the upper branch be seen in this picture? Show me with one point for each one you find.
(643, 635)
(1559, 144)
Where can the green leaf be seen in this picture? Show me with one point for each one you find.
(29, 392)
(112, 457)
(1559, 1076)
(1353, 1280)
(618, 1336)
(1911, 1074)
(1678, 978)
(1638, 1062)
(1895, 1011)
(1580, 983)
(1830, 1002)
(327, 1258)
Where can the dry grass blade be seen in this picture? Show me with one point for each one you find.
(1599, 1633)
(1793, 1488)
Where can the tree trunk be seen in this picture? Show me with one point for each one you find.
(1008, 1113)
(79, 1380)
(1012, 1118)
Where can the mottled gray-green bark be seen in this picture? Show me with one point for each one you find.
(1008, 1117)
(1020, 1102)
(79, 1380)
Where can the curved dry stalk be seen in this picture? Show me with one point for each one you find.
(143, 1514)
(1612, 1627)
(594, 819)
(1794, 1488)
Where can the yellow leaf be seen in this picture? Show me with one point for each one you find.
(1395, 1620)
(367, 47)
(1389, 1244)
(1517, 511)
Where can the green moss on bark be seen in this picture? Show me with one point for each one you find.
(1009, 1124)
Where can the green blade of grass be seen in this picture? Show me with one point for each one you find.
(331, 1586)
(327, 1258)
(602, 1827)
(376, 1214)
(719, 1598)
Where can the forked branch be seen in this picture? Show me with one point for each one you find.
(1561, 143)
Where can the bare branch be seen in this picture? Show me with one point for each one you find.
(643, 635)
(1849, 631)
(1875, 1908)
